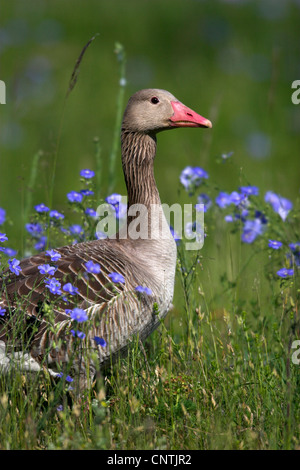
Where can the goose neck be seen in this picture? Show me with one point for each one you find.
(138, 153)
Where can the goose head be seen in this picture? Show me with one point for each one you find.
(153, 110)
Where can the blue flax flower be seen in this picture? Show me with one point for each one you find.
(3, 237)
(2, 311)
(194, 230)
(2, 215)
(53, 285)
(192, 177)
(92, 267)
(120, 208)
(86, 192)
(117, 278)
(251, 230)
(76, 229)
(34, 229)
(279, 204)
(41, 208)
(205, 200)
(70, 289)
(8, 251)
(91, 212)
(47, 269)
(284, 272)
(249, 190)
(78, 334)
(223, 200)
(99, 341)
(114, 199)
(56, 215)
(75, 196)
(87, 174)
(144, 290)
(14, 266)
(41, 243)
(54, 255)
(237, 198)
(295, 249)
(79, 315)
(275, 244)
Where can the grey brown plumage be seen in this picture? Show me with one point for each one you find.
(116, 312)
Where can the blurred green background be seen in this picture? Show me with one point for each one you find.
(232, 61)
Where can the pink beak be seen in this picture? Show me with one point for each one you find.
(186, 117)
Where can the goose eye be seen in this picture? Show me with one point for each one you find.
(154, 100)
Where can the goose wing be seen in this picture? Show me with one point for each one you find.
(26, 295)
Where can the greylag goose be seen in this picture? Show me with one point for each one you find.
(116, 312)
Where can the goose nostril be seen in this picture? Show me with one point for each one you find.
(189, 114)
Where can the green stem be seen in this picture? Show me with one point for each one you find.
(119, 50)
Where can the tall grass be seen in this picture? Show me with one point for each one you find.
(217, 374)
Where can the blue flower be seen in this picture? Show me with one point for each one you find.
(34, 229)
(69, 378)
(56, 215)
(87, 174)
(54, 255)
(92, 267)
(2, 215)
(91, 212)
(2, 311)
(229, 218)
(284, 272)
(192, 176)
(86, 192)
(78, 334)
(223, 200)
(53, 285)
(114, 199)
(14, 266)
(261, 216)
(249, 190)
(41, 208)
(41, 243)
(194, 230)
(144, 290)
(279, 204)
(295, 247)
(236, 198)
(205, 200)
(3, 237)
(120, 208)
(78, 315)
(252, 228)
(117, 278)
(47, 269)
(70, 289)
(99, 341)
(74, 196)
(8, 251)
(76, 229)
(101, 235)
(275, 244)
